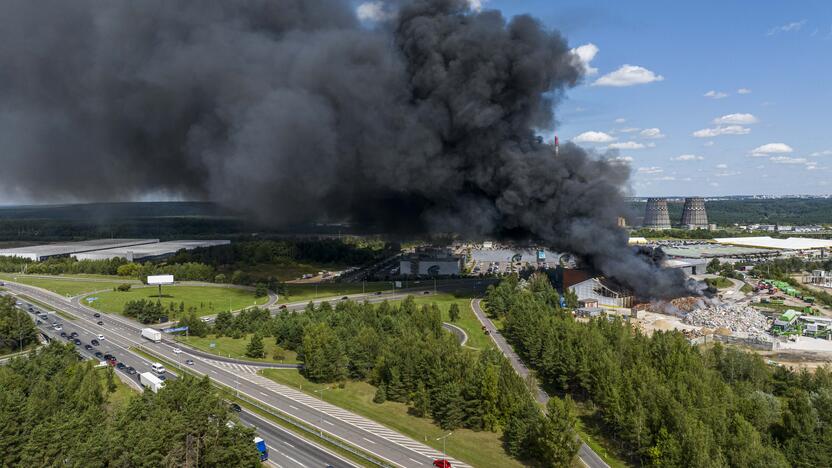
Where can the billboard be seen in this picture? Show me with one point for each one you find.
(174, 330)
(160, 279)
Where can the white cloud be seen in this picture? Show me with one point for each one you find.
(721, 166)
(788, 27)
(822, 153)
(743, 91)
(722, 130)
(708, 143)
(593, 137)
(626, 145)
(373, 11)
(585, 54)
(688, 157)
(667, 177)
(622, 159)
(651, 144)
(715, 94)
(736, 119)
(724, 173)
(650, 170)
(772, 148)
(628, 75)
(787, 160)
(629, 129)
(620, 120)
(652, 133)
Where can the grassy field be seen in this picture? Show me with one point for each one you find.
(236, 348)
(121, 397)
(63, 285)
(467, 320)
(207, 299)
(476, 448)
(287, 271)
(720, 282)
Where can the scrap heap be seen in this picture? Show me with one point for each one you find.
(740, 319)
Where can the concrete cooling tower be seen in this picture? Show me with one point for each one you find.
(694, 215)
(656, 215)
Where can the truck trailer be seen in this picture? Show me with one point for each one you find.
(148, 380)
(152, 334)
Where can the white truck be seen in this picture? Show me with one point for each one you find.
(148, 380)
(152, 334)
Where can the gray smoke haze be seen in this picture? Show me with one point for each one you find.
(292, 111)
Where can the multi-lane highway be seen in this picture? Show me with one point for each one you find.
(122, 334)
(286, 449)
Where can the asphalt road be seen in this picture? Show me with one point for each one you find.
(122, 333)
(285, 448)
(587, 456)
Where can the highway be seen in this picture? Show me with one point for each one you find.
(587, 456)
(286, 449)
(122, 333)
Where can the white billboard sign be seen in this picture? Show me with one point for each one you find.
(160, 279)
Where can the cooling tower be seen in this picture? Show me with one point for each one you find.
(656, 215)
(693, 214)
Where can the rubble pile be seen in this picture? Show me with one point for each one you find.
(740, 319)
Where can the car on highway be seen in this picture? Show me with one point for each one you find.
(235, 407)
(57, 327)
(121, 366)
(88, 347)
(39, 322)
(74, 334)
(345, 298)
(64, 335)
(99, 354)
(425, 292)
(130, 370)
(112, 361)
(441, 463)
(282, 307)
(94, 342)
(177, 350)
(100, 337)
(189, 362)
(378, 293)
(77, 342)
(96, 315)
(100, 323)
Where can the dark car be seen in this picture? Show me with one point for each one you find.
(94, 342)
(161, 377)
(235, 407)
(283, 306)
(77, 342)
(378, 293)
(100, 322)
(131, 371)
(39, 322)
(426, 292)
(345, 298)
(74, 334)
(108, 356)
(96, 315)
(120, 366)
(88, 347)
(64, 335)
(99, 354)
(189, 362)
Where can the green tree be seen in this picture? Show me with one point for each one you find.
(713, 266)
(255, 347)
(453, 312)
(556, 438)
(323, 354)
(17, 330)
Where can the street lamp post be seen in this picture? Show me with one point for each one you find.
(444, 438)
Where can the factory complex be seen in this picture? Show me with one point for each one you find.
(694, 215)
(106, 249)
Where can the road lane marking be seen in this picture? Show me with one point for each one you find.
(368, 440)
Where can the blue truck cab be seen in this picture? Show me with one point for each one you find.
(261, 447)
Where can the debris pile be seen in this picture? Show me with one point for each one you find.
(740, 319)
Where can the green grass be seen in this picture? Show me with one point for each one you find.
(207, 300)
(591, 435)
(236, 348)
(746, 288)
(121, 397)
(467, 320)
(476, 448)
(285, 271)
(65, 286)
(719, 282)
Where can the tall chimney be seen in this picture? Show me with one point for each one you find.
(656, 215)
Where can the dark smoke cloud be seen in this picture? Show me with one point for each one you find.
(292, 111)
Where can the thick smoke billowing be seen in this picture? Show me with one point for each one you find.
(292, 111)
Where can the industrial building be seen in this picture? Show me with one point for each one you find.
(45, 251)
(656, 215)
(694, 215)
(148, 251)
(604, 292)
(431, 262)
(792, 243)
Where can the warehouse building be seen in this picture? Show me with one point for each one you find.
(149, 251)
(45, 251)
(431, 262)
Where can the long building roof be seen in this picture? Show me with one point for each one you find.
(37, 252)
(148, 251)
(792, 243)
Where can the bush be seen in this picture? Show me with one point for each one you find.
(123, 287)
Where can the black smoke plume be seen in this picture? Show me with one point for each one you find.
(293, 111)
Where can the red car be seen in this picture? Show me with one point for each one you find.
(441, 463)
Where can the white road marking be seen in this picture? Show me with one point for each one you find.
(368, 440)
(328, 422)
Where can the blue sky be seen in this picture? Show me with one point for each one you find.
(776, 135)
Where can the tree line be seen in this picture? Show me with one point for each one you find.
(663, 401)
(56, 411)
(17, 330)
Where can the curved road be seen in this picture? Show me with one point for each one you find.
(585, 453)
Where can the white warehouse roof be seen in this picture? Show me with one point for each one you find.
(792, 243)
(39, 252)
(140, 252)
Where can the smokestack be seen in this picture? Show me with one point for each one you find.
(694, 215)
(656, 214)
(557, 146)
(292, 111)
